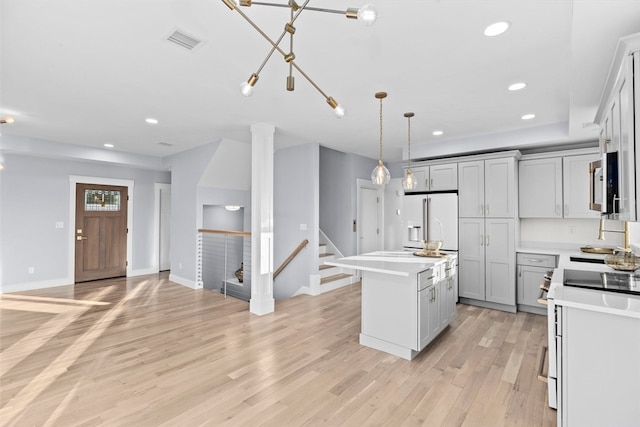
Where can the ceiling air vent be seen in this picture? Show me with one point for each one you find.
(184, 40)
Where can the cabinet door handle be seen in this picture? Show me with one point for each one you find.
(487, 209)
(535, 260)
(487, 238)
(481, 240)
(481, 209)
(430, 183)
(519, 271)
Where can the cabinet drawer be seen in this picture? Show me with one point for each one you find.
(536, 260)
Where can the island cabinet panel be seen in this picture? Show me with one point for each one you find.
(390, 309)
(429, 316)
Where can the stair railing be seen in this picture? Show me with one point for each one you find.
(226, 234)
(295, 252)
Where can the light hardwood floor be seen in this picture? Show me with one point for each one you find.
(147, 352)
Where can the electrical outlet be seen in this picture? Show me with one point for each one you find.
(32, 270)
(59, 224)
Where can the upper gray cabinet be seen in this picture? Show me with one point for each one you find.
(487, 188)
(442, 177)
(619, 117)
(555, 187)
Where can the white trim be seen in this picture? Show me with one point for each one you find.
(182, 281)
(77, 179)
(20, 287)
(156, 223)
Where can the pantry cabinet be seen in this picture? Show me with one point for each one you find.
(487, 200)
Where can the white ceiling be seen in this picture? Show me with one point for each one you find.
(90, 72)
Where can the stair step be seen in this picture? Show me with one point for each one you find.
(325, 267)
(334, 277)
(323, 255)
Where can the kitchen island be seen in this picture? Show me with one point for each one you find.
(407, 300)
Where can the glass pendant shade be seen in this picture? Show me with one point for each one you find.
(409, 181)
(380, 174)
(246, 89)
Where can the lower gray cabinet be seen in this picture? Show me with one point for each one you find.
(530, 272)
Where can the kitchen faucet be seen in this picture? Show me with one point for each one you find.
(625, 231)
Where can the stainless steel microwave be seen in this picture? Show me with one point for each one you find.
(604, 185)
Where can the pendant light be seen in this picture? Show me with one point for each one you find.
(380, 174)
(409, 181)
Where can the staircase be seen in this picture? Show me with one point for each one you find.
(328, 277)
(331, 277)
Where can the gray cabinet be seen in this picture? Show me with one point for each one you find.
(540, 194)
(487, 200)
(442, 177)
(619, 119)
(487, 260)
(556, 187)
(531, 270)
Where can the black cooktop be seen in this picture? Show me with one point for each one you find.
(628, 283)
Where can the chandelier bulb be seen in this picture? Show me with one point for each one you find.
(338, 110)
(367, 14)
(246, 89)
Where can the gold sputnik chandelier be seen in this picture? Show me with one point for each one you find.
(366, 14)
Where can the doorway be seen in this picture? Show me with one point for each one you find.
(370, 217)
(100, 231)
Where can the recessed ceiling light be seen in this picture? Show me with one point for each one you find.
(108, 145)
(528, 116)
(517, 86)
(496, 29)
(437, 132)
(151, 121)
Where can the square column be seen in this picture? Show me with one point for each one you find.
(262, 301)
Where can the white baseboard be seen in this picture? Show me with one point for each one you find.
(30, 286)
(142, 272)
(184, 282)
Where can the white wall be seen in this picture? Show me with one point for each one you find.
(564, 231)
(295, 204)
(34, 197)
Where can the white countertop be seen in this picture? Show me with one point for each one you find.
(397, 263)
(587, 299)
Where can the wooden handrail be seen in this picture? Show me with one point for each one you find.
(295, 252)
(227, 232)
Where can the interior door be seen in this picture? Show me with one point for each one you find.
(101, 232)
(369, 220)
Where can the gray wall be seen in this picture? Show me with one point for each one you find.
(338, 195)
(34, 196)
(295, 205)
(186, 213)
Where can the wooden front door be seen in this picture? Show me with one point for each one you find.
(101, 232)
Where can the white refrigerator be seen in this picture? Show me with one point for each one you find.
(430, 217)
